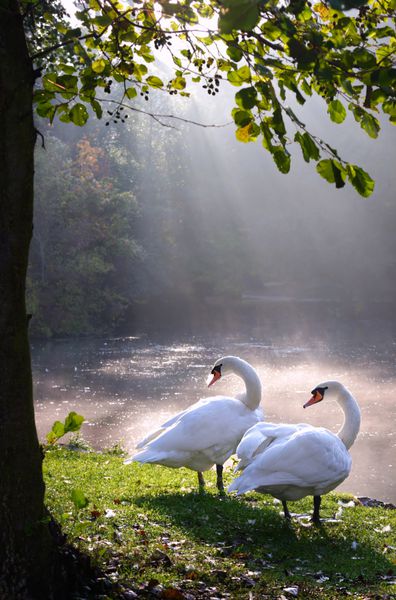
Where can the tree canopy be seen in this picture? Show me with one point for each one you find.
(276, 54)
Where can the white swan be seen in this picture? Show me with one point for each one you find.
(209, 431)
(293, 461)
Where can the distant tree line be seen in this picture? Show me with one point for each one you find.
(118, 228)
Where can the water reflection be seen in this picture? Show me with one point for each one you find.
(126, 386)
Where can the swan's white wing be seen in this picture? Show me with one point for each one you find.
(153, 434)
(202, 425)
(311, 458)
(213, 426)
(260, 436)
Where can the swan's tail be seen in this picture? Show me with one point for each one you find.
(158, 457)
(151, 436)
(144, 456)
(239, 486)
(241, 465)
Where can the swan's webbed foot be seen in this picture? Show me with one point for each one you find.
(201, 481)
(219, 481)
(286, 510)
(315, 519)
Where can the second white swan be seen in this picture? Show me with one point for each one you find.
(293, 461)
(208, 432)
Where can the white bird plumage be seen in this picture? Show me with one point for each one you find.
(208, 432)
(293, 461)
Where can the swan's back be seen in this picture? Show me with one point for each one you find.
(292, 460)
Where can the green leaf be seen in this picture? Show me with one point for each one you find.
(50, 83)
(241, 117)
(234, 52)
(177, 61)
(370, 125)
(360, 180)
(389, 107)
(79, 498)
(46, 110)
(337, 111)
(240, 76)
(308, 146)
(69, 69)
(97, 108)
(332, 171)
(130, 93)
(347, 86)
(246, 98)
(178, 83)
(58, 429)
(267, 136)
(239, 15)
(363, 58)
(73, 422)
(78, 114)
(155, 81)
(282, 159)
(277, 122)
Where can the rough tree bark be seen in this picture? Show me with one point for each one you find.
(26, 547)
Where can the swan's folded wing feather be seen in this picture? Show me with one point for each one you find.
(260, 436)
(308, 458)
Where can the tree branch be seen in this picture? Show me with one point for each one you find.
(61, 45)
(158, 116)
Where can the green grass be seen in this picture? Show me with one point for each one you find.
(147, 526)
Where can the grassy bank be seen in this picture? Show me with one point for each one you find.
(149, 529)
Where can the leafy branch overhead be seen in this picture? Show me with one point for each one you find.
(274, 53)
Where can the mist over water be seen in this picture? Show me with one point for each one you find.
(127, 386)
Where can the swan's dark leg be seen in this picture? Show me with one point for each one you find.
(219, 482)
(286, 510)
(316, 516)
(201, 481)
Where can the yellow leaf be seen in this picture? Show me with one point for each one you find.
(322, 11)
(243, 134)
(98, 65)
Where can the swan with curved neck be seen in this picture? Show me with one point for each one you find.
(293, 461)
(209, 431)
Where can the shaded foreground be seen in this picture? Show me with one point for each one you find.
(153, 536)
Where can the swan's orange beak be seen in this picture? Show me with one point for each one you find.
(216, 376)
(316, 397)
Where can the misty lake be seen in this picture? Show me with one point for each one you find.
(124, 387)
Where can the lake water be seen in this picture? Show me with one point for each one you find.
(125, 387)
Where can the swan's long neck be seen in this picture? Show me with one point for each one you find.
(351, 425)
(252, 398)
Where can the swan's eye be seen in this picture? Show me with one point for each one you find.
(318, 393)
(216, 369)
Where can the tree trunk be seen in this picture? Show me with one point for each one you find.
(27, 551)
